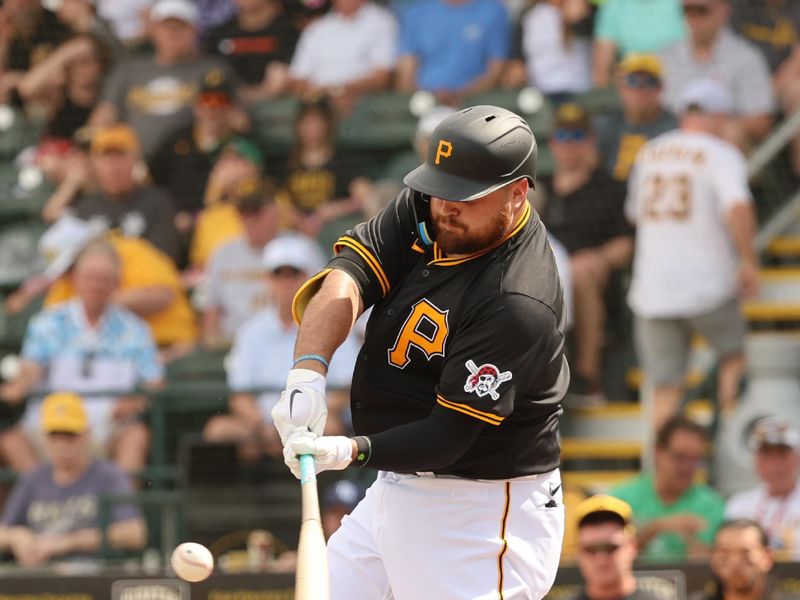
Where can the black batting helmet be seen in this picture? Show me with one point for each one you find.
(474, 152)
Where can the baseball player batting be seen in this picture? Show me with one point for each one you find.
(456, 394)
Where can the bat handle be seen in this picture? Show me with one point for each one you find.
(307, 471)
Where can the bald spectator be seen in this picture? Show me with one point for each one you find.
(90, 343)
(625, 26)
(640, 118)
(53, 513)
(711, 50)
(258, 41)
(453, 48)
(364, 37)
(155, 95)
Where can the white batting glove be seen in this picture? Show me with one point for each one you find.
(302, 404)
(330, 452)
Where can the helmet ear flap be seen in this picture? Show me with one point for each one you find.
(422, 216)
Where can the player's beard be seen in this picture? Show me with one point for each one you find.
(460, 239)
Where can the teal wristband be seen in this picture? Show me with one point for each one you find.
(316, 357)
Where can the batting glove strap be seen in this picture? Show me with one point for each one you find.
(331, 453)
(302, 404)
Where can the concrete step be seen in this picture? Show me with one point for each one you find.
(779, 297)
(598, 481)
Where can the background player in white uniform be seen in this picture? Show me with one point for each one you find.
(689, 198)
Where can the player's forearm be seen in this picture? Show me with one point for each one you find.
(742, 226)
(438, 442)
(8, 536)
(83, 540)
(328, 319)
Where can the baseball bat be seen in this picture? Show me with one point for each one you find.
(311, 576)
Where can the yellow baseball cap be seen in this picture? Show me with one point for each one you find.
(641, 63)
(116, 138)
(64, 412)
(603, 503)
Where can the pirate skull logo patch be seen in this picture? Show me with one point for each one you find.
(485, 379)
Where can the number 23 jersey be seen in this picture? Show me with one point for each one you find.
(681, 189)
(482, 335)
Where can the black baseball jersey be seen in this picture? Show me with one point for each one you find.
(482, 335)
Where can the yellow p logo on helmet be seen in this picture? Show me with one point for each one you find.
(443, 150)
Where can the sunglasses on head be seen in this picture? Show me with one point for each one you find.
(641, 81)
(569, 135)
(600, 548)
(696, 10)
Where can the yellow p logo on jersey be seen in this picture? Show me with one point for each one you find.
(425, 329)
(443, 150)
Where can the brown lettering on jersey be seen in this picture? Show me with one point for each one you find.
(667, 197)
(426, 329)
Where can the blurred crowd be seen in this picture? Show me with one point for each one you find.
(170, 229)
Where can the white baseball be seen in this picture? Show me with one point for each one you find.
(10, 367)
(192, 562)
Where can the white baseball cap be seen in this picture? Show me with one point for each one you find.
(63, 242)
(294, 250)
(183, 10)
(705, 94)
(773, 431)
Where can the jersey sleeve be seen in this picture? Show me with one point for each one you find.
(509, 345)
(728, 170)
(375, 253)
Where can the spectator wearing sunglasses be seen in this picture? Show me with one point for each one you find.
(606, 550)
(583, 209)
(641, 118)
(675, 517)
(262, 353)
(712, 50)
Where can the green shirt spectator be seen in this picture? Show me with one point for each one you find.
(647, 506)
(624, 26)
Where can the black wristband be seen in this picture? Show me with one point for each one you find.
(364, 446)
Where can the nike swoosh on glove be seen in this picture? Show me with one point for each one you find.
(330, 452)
(302, 404)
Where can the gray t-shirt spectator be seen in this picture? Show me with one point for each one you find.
(157, 99)
(39, 503)
(146, 213)
(735, 62)
(235, 284)
(620, 141)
